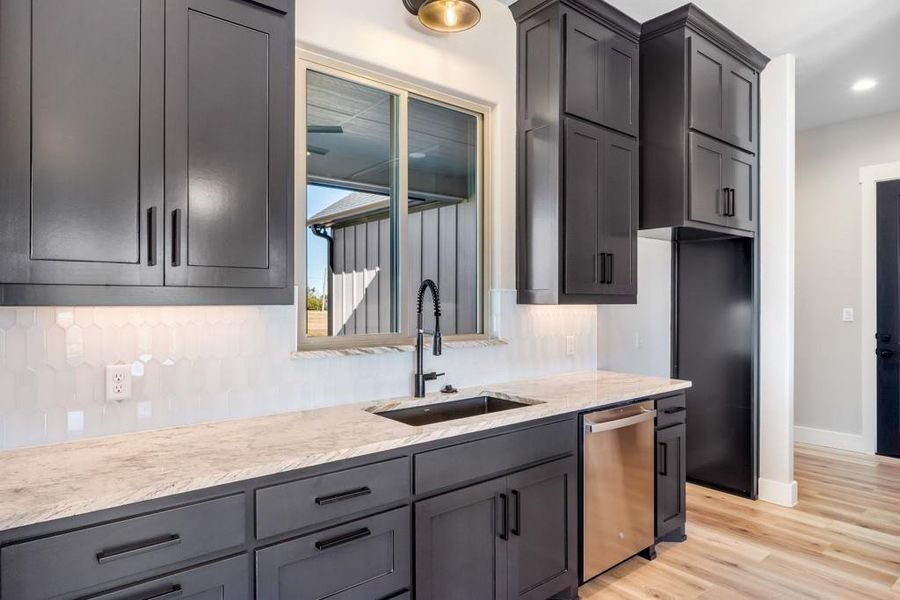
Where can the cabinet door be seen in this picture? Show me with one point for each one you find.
(224, 580)
(601, 200)
(601, 74)
(543, 535)
(723, 95)
(81, 141)
(670, 479)
(228, 144)
(741, 181)
(707, 165)
(364, 559)
(461, 552)
(619, 214)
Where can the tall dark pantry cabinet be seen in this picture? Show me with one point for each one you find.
(700, 189)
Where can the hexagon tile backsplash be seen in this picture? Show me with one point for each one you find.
(194, 364)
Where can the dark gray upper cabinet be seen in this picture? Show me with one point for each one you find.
(145, 147)
(81, 141)
(601, 74)
(601, 202)
(577, 160)
(723, 95)
(228, 182)
(699, 125)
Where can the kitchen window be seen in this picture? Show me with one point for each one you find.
(391, 185)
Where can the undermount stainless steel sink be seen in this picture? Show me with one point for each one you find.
(448, 411)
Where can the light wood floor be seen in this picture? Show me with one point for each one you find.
(842, 540)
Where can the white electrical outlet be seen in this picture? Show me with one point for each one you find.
(118, 382)
(847, 315)
(637, 340)
(570, 345)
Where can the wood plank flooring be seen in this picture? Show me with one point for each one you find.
(842, 540)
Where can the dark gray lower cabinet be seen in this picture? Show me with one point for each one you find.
(224, 580)
(543, 530)
(364, 559)
(460, 547)
(671, 472)
(511, 537)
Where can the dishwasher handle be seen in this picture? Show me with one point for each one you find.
(644, 415)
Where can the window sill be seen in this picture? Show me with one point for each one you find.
(481, 342)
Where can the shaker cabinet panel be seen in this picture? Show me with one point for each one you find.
(228, 135)
(543, 538)
(741, 180)
(707, 163)
(671, 475)
(601, 211)
(723, 95)
(601, 74)
(81, 119)
(460, 541)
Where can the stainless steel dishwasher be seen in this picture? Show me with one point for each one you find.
(618, 477)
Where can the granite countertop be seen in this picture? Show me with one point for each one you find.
(64, 480)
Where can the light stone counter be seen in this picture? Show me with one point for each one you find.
(63, 480)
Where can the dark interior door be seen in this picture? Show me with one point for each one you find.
(714, 350)
(888, 336)
(81, 141)
(228, 144)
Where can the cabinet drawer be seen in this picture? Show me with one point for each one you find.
(77, 560)
(223, 580)
(468, 461)
(364, 559)
(298, 504)
(671, 410)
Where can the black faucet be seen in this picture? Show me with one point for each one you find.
(420, 378)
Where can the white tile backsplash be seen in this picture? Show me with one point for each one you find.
(194, 364)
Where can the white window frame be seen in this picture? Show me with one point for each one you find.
(307, 60)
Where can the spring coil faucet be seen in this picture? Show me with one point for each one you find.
(420, 378)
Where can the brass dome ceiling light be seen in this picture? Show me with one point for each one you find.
(447, 16)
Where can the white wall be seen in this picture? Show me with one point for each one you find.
(201, 363)
(828, 407)
(777, 243)
(637, 338)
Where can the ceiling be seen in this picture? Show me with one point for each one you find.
(836, 42)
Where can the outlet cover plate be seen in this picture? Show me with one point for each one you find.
(118, 382)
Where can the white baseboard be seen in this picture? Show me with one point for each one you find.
(778, 492)
(830, 439)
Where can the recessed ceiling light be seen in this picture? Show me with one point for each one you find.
(417, 155)
(864, 84)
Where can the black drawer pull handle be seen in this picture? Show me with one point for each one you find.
(151, 236)
(176, 237)
(166, 594)
(343, 539)
(138, 548)
(674, 410)
(349, 495)
(662, 458)
(504, 517)
(517, 522)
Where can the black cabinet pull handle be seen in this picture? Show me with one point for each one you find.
(151, 236)
(343, 539)
(138, 548)
(517, 522)
(170, 592)
(176, 237)
(610, 270)
(662, 458)
(504, 517)
(348, 495)
(673, 410)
